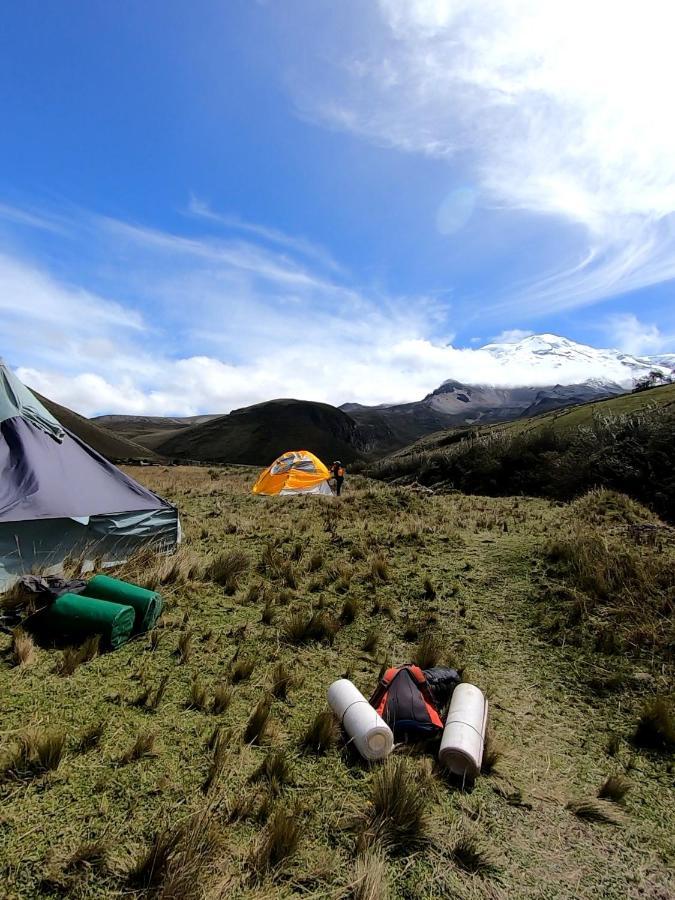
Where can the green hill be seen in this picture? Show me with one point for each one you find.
(625, 443)
(256, 435)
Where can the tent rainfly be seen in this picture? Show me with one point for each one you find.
(59, 498)
(295, 472)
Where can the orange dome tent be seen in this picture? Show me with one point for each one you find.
(295, 472)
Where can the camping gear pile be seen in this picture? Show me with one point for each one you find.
(407, 707)
(114, 609)
(295, 472)
(59, 498)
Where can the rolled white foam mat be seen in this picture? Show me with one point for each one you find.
(461, 750)
(371, 735)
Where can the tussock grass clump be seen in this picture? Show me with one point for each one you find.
(267, 615)
(278, 567)
(155, 699)
(184, 648)
(282, 680)
(371, 640)
(255, 592)
(592, 810)
(24, 651)
(218, 760)
(302, 628)
(155, 637)
(615, 788)
(655, 729)
(398, 815)
(172, 866)
(276, 770)
(222, 697)
(143, 746)
(620, 596)
(369, 881)
(199, 696)
(315, 561)
(428, 651)
(278, 843)
(91, 737)
(258, 722)
(379, 568)
(242, 670)
(321, 734)
(429, 589)
(34, 752)
(471, 852)
(350, 610)
(73, 657)
(226, 569)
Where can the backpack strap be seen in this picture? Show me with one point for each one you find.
(380, 693)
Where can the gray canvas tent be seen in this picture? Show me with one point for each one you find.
(60, 498)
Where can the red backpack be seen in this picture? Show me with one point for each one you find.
(406, 704)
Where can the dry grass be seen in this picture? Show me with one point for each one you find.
(398, 816)
(199, 696)
(242, 670)
(73, 657)
(277, 844)
(321, 734)
(591, 810)
(173, 865)
(184, 648)
(655, 729)
(218, 761)
(371, 641)
(258, 722)
(370, 879)
(429, 589)
(379, 568)
(350, 610)
(24, 651)
(615, 788)
(34, 752)
(222, 697)
(428, 651)
(142, 747)
(282, 680)
(226, 569)
(91, 736)
(275, 770)
(302, 628)
(471, 852)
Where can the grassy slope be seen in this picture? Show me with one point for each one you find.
(115, 447)
(561, 419)
(554, 730)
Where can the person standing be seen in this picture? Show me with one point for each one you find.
(337, 471)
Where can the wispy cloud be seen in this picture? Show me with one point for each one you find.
(560, 110)
(184, 324)
(297, 245)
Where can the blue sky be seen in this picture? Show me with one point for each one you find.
(207, 205)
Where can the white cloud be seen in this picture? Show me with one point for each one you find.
(562, 109)
(511, 336)
(227, 323)
(629, 334)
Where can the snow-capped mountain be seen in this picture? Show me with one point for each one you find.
(551, 359)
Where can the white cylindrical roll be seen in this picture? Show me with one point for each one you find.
(461, 750)
(372, 736)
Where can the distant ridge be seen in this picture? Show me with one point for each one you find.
(114, 447)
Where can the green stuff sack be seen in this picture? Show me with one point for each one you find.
(146, 604)
(77, 616)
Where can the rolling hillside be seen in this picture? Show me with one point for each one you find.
(115, 447)
(625, 443)
(258, 434)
